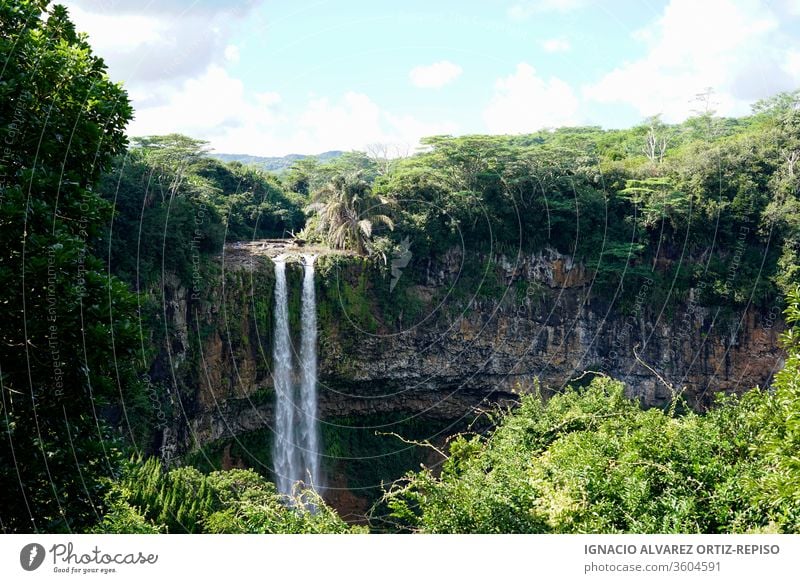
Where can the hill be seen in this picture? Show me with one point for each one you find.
(274, 163)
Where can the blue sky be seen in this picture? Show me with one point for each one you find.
(276, 77)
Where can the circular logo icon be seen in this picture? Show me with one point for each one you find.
(31, 556)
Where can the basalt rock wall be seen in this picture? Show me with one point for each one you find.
(544, 322)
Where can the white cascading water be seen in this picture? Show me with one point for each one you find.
(309, 431)
(286, 455)
(296, 450)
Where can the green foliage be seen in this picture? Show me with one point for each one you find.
(657, 202)
(253, 204)
(362, 453)
(777, 486)
(370, 451)
(626, 202)
(174, 206)
(161, 222)
(68, 332)
(184, 500)
(310, 174)
(640, 204)
(348, 213)
(592, 461)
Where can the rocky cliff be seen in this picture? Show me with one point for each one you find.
(449, 345)
(544, 325)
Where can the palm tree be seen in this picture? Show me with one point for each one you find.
(348, 211)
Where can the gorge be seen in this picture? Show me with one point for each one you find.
(536, 330)
(438, 372)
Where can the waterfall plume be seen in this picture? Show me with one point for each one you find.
(309, 430)
(297, 445)
(285, 455)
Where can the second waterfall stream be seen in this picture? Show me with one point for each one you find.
(296, 451)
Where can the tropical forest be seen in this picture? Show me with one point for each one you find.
(573, 329)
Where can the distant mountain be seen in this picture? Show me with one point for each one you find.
(274, 163)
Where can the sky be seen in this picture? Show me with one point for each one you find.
(274, 77)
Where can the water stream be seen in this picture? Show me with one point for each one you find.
(308, 427)
(285, 455)
(296, 448)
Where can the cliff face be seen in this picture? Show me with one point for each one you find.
(543, 323)
(552, 332)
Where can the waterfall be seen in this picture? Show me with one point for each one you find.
(296, 447)
(309, 431)
(286, 455)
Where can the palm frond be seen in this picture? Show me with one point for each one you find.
(384, 219)
(365, 226)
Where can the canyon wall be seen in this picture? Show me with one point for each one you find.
(543, 323)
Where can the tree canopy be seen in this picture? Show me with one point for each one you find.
(68, 327)
(592, 461)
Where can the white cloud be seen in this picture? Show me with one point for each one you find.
(792, 7)
(106, 34)
(216, 107)
(232, 54)
(556, 45)
(524, 102)
(173, 56)
(527, 8)
(792, 64)
(406, 130)
(213, 100)
(268, 98)
(165, 41)
(435, 75)
(165, 7)
(354, 121)
(735, 47)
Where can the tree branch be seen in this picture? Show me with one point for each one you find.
(425, 443)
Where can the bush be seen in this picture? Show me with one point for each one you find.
(184, 500)
(591, 461)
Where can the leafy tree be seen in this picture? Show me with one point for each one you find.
(169, 158)
(348, 211)
(657, 140)
(778, 486)
(252, 203)
(161, 222)
(591, 460)
(174, 207)
(658, 202)
(148, 499)
(68, 328)
(310, 174)
(302, 176)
